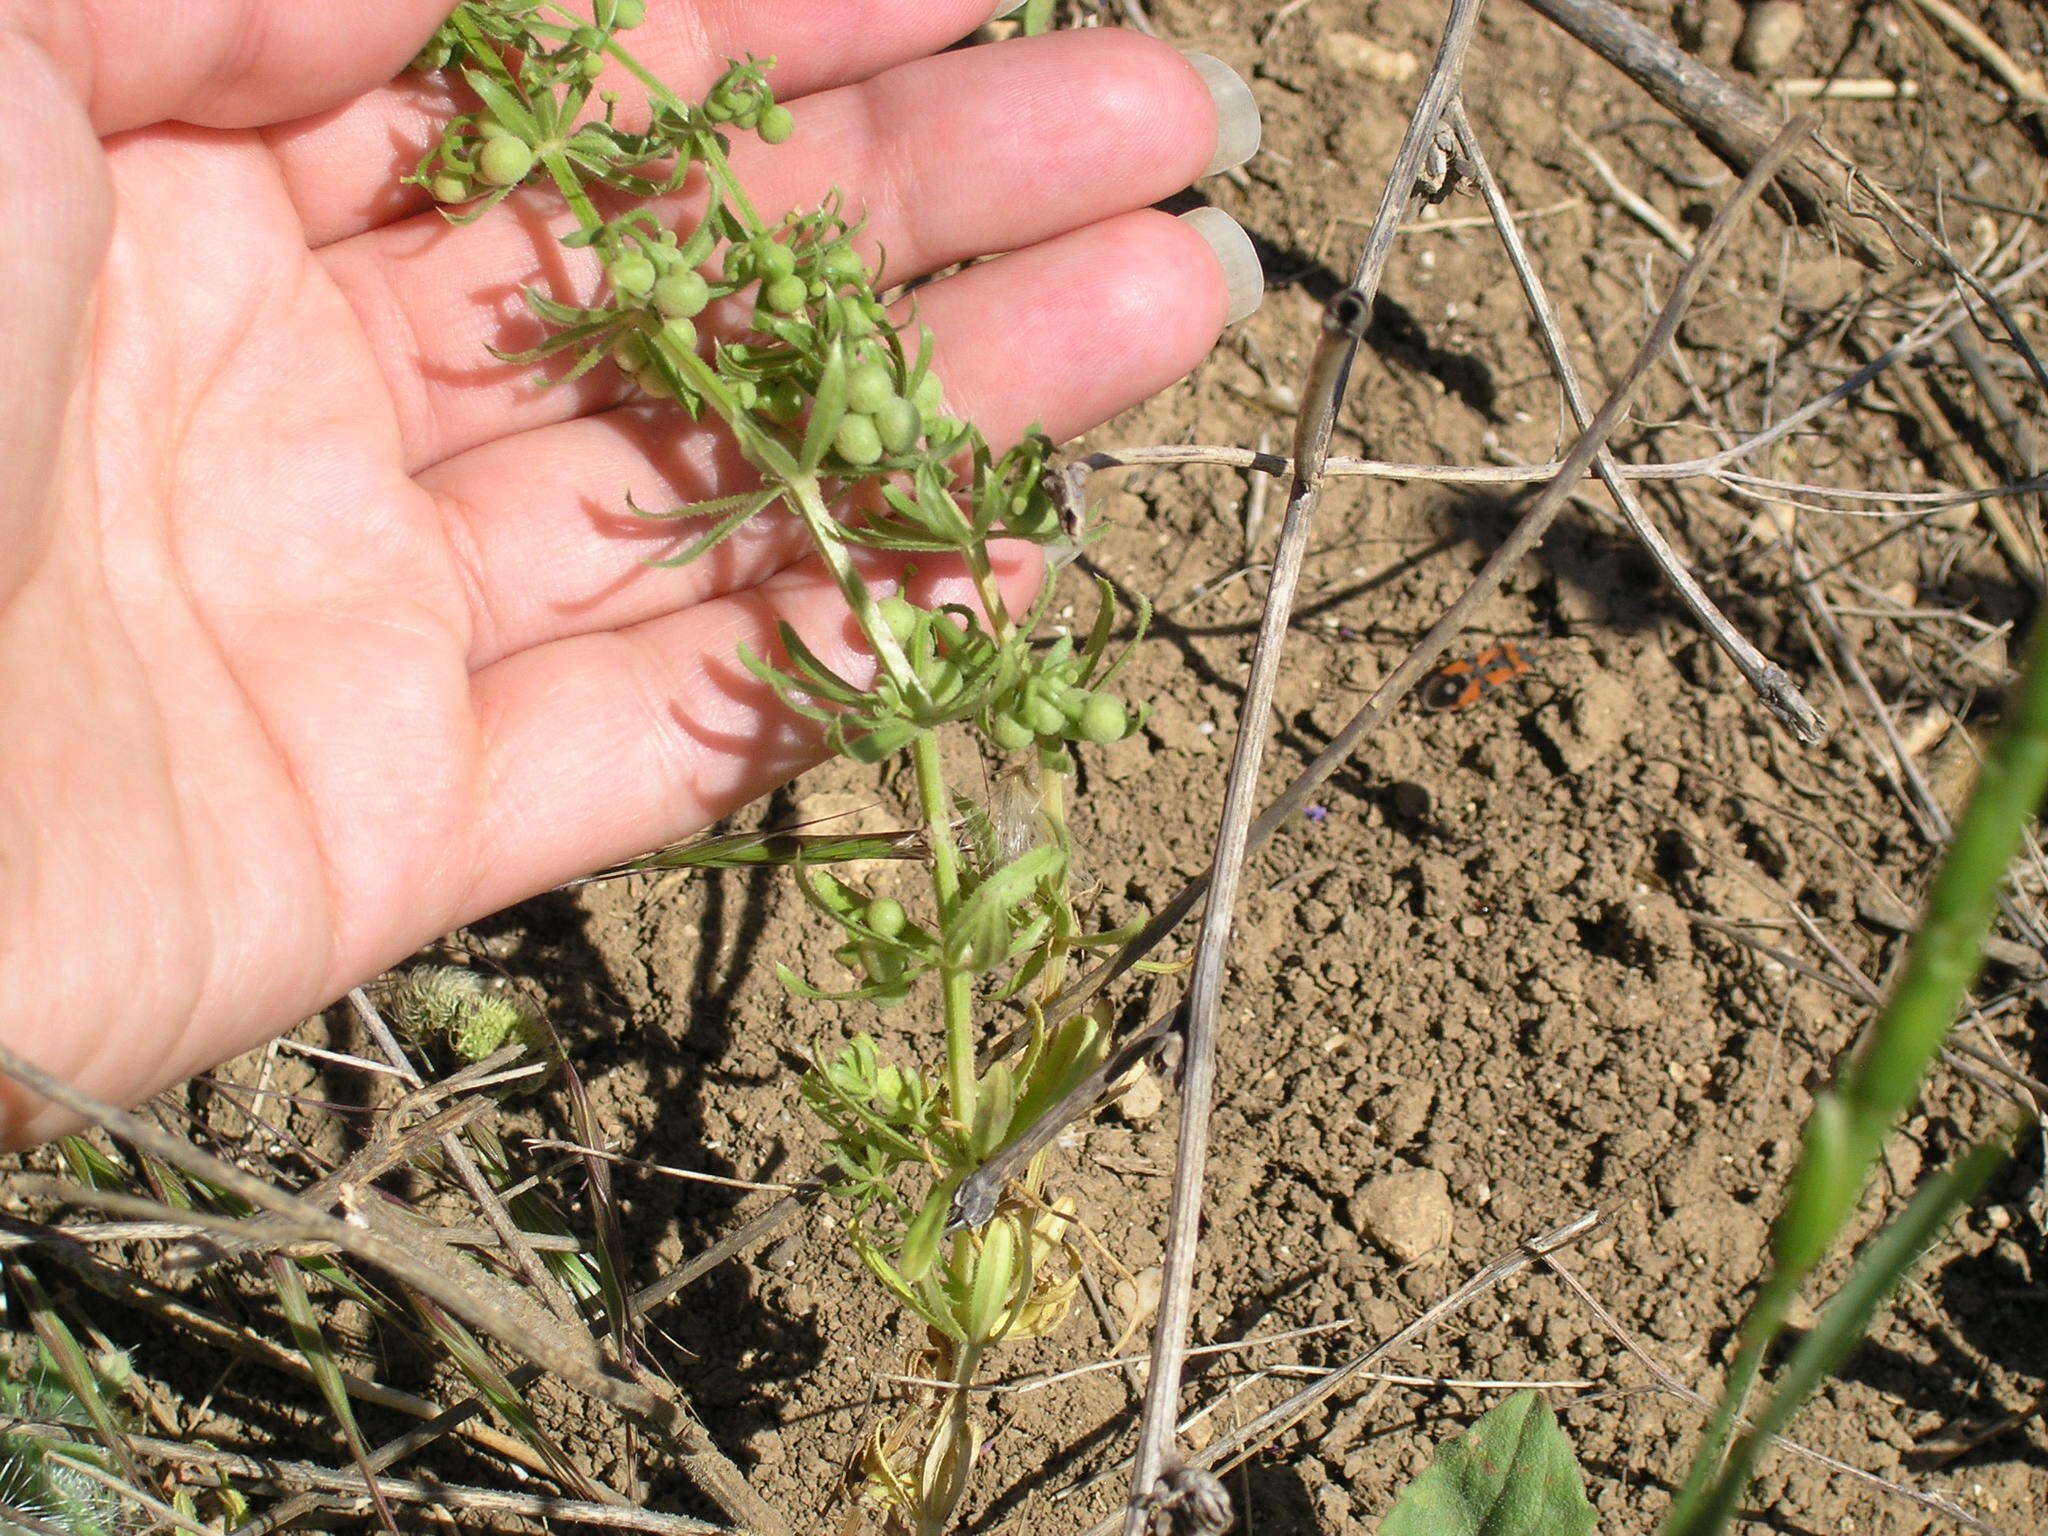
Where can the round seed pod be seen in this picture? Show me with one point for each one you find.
(776, 125)
(899, 424)
(773, 259)
(631, 275)
(869, 387)
(1044, 717)
(504, 161)
(782, 402)
(629, 13)
(631, 353)
(1033, 520)
(680, 334)
(857, 442)
(1102, 719)
(842, 264)
(451, 188)
(885, 915)
(785, 295)
(590, 66)
(899, 617)
(681, 295)
(1009, 733)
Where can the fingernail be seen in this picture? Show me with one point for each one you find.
(1238, 130)
(1244, 278)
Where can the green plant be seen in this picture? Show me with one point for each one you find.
(834, 402)
(45, 1476)
(1846, 1128)
(1511, 1474)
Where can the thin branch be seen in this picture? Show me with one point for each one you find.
(1764, 676)
(1525, 535)
(1344, 324)
(1677, 1388)
(1275, 1421)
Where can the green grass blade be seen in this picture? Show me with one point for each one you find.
(311, 1341)
(1847, 1318)
(1847, 1127)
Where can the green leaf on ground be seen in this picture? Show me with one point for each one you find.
(1511, 1474)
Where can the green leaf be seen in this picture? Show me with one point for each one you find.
(505, 107)
(828, 410)
(738, 512)
(1510, 1474)
(979, 934)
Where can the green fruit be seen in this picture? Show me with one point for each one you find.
(1102, 719)
(886, 916)
(590, 66)
(842, 264)
(858, 443)
(632, 275)
(679, 334)
(450, 188)
(1044, 717)
(588, 37)
(504, 161)
(1032, 521)
(1010, 733)
(681, 295)
(632, 354)
(773, 260)
(783, 402)
(629, 13)
(785, 295)
(776, 125)
(899, 616)
(869, 387)
(899, 424)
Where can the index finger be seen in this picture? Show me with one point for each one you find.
(238, 64)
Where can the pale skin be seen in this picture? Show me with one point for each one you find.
(322, 634)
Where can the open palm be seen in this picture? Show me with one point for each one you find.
(320, 633)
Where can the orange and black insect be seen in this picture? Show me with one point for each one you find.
(1464, 682)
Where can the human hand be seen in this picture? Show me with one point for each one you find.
(320, 633)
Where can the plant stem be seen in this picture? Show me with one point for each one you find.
(809, 501)
(955, 984)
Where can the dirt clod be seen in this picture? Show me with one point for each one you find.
(1407, 1213)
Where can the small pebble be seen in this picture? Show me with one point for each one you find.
(1769, 34)
(1353, 53)
(1406, 1213)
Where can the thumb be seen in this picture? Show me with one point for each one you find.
(55, 214)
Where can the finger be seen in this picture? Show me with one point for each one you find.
(222, 63)
(342, 168)
(1064, 335)
(601, 747)
(53, 184)
(953, 157)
